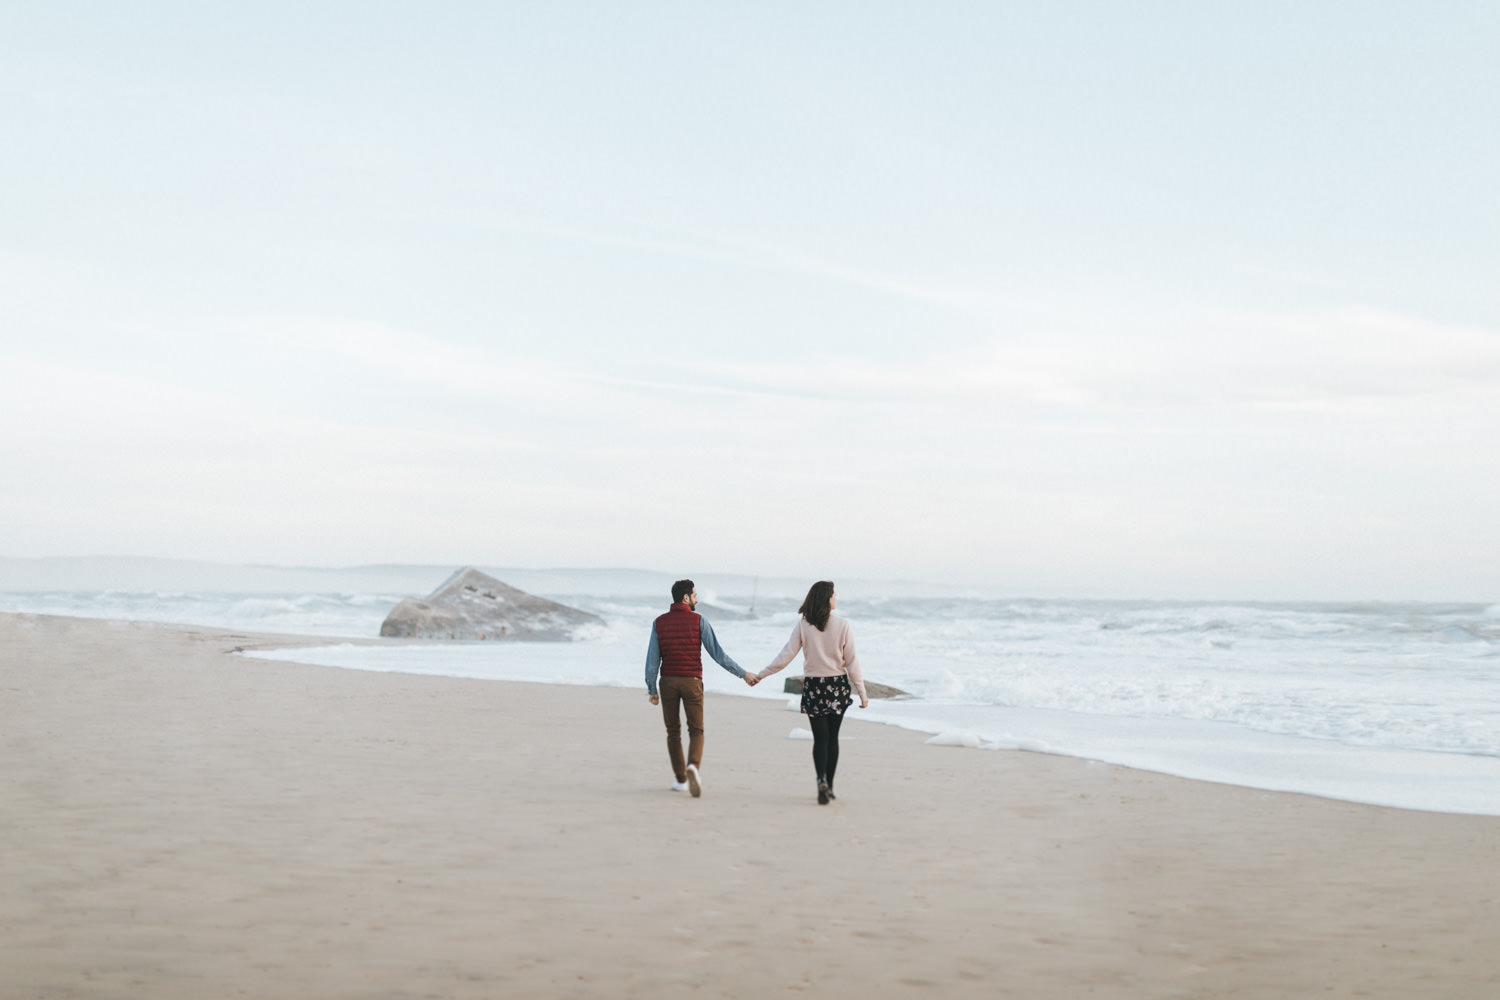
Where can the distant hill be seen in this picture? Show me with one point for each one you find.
(144, 573)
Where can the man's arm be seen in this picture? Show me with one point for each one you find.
(653, 662)
(711, 643)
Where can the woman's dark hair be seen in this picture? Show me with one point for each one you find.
(816, 607)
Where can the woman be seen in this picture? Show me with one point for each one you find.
(830, 665)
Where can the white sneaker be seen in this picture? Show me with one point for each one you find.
(679, 786)
(695, 781)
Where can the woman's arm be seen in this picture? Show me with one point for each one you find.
(851, 664)
(787, 655)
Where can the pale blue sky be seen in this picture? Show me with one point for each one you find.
(1146, 299)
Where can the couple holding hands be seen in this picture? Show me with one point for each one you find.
(831, 677)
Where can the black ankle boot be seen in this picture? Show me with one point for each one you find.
(822, 791)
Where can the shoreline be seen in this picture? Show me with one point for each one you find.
(1236, 756)
(1215, 751)
(174, 828)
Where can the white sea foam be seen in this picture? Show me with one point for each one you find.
(969, 740)
(293, 614)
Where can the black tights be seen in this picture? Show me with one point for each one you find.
(825, 729)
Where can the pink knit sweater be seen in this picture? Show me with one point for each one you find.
(824, 654)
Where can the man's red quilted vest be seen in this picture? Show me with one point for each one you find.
(680, 642)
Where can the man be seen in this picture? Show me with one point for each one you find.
(677, 640)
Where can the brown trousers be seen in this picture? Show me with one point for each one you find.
(686, 692)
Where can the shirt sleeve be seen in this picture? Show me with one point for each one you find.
(851, 662)
(653, 661)
(788, 653)
(711, 643)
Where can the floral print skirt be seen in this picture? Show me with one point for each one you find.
(826, 695)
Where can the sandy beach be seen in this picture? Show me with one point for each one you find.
(182, 822)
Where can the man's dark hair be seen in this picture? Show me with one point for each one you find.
(681, 589)
(815, 608)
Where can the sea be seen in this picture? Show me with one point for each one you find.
(1394, 704)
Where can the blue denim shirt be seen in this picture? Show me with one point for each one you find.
(710, 643)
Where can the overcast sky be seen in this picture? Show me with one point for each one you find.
(1065, 299)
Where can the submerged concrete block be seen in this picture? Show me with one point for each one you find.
(793, 685)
